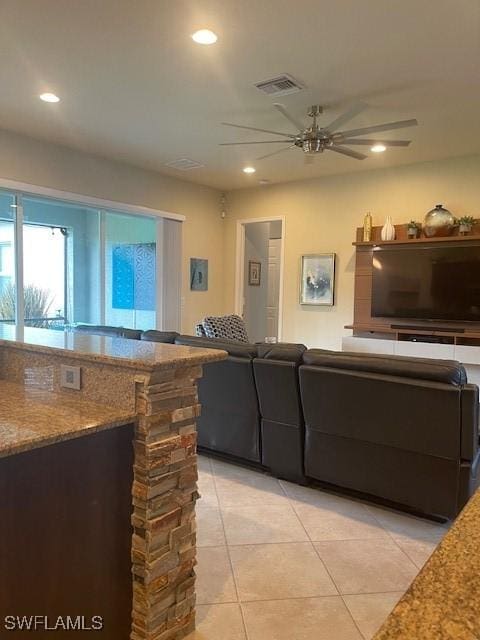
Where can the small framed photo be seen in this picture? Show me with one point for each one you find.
(254, 273)
(317, 279)
(198, 274)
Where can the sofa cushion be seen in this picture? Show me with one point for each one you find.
(113, 332)
(282, 351)
(232, 347)
(230, 327)
(160, 336)
(446, 371)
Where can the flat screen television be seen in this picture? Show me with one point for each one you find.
(427, 283)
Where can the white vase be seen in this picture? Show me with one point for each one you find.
(388, 230)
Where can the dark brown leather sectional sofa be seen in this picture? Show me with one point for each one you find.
(404, 430)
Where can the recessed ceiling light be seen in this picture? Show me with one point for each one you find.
(204, 36)
(378, 148)
(249, 170)
(49, 97)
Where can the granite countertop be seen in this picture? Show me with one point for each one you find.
(442, 601)
(33, 417)
(135, 354)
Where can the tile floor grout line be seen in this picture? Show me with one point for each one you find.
(362, 635)
(230, 562)
(390, 535)
(321, 561)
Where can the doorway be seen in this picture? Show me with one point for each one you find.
(259, 277)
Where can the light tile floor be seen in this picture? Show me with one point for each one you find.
(277, 561)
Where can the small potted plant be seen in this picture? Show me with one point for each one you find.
(465, 224)
(413, 229)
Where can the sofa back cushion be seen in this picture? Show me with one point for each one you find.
(112, 332)
(160, 336)
(283, 351)
(232, 347)
(392, 411)
(230, 327)
(446, 371)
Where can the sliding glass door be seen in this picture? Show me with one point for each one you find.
(78, 265)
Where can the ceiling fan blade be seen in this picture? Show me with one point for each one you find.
(387, 143)
(229, 144)
(347, 152)
(275, 152)
(388, 126)
(241, 126)
(296, 123)
(345, 117)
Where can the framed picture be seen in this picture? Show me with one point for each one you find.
(198, 274)
(317, 279)
(254, 273)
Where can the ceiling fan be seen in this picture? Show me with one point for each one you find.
(315, 139)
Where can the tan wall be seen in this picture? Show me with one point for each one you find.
(322, 215)
(40, 163)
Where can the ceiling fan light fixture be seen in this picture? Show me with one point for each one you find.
(378, 148)
(312, 145)
(249, 170)
(204, 36)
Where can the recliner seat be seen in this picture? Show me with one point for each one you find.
(230, 419)
(283, 432)
(402, 429)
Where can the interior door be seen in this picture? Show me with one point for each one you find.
(274, 247)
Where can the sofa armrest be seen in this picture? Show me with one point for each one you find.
(470, 416)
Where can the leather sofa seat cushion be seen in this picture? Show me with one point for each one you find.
(160, 336)
(112, 332)
(445, 371)
(232, 347)
(283, 351)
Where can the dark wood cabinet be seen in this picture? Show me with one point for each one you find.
(65, 535)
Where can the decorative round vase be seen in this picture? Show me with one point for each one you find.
(388, 230)
(438, 223)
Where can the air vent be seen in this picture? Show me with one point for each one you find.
(280, 86)
(184, 164)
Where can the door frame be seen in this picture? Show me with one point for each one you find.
(240, 266)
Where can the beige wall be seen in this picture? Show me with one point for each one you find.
(40, 163)
(322, 216)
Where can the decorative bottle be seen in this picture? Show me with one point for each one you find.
(388, 230)
(367, 227)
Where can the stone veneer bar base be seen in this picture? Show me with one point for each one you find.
(164, 496)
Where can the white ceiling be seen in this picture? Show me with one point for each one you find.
(136, 88)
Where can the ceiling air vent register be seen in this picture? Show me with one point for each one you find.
(280, 86)
(184, 164)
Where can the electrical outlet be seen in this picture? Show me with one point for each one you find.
(70, 377)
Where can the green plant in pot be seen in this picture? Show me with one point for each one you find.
(465, 224)
(413, 229)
